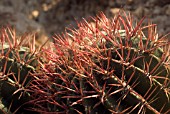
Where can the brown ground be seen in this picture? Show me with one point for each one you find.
(48, 17)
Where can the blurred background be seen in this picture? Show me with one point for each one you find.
(49, 17)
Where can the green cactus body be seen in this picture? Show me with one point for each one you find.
(16, 64)
(109, 67)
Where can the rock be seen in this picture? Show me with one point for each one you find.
(157, 10)
(139, 12)
(114, 10)
(167, 10)
(159, 20)
(162, 2)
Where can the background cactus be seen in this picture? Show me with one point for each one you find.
(17, 62)
(111, 66)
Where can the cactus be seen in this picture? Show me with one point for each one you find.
(17, 62)
(109, 66)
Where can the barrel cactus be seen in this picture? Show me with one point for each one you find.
(17, 62)
(108, 66)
